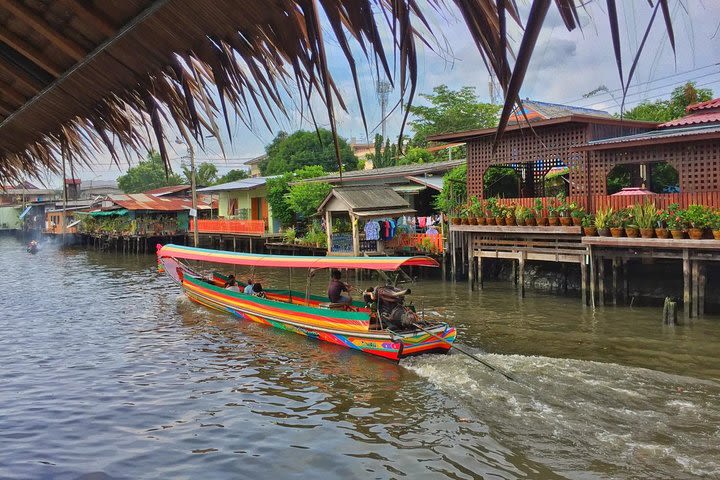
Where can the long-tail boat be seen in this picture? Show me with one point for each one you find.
(383, 326)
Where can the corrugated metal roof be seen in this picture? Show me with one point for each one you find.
(395, 212)
(141, 201)
(436, 183)
(244, 184)
(400, 171)
(535, 110)
(159, 192)
(658, 134)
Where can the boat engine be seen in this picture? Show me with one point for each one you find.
(392, 309)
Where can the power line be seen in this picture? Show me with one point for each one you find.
(635, 102)
(641, 94)
(635, 85)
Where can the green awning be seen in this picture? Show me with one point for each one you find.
(106, 213)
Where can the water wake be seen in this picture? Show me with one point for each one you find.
(578, 415)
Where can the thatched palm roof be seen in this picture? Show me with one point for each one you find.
(80, 75)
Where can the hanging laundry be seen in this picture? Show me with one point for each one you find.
(422, 221)
(372, 230)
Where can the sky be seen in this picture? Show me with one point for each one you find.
(565, 67)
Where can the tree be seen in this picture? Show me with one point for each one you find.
(450, 111)
(287, 153)
(674, 107)
(416, 155)
(232, 176)
(454, 191)
(205, 174)
(278, 189)
(305, 197)
(148, 175)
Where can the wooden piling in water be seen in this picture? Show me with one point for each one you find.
(521, 274)
(601, 281)
(615, 273)
(583, 282)
(669, 312)
(686, 284)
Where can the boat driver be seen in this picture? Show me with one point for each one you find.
(336, 287)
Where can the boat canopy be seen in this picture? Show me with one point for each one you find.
(286, 261)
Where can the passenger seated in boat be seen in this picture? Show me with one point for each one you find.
(336, 287)
(232, 286)
(369, 297)
(249, 287)
(230, 280)
(258, 291)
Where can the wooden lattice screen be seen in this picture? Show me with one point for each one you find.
(697, 163)
(544, 148)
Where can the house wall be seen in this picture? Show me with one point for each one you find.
(244, 199)
(10, 217)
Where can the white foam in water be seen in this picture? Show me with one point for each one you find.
(635, 419)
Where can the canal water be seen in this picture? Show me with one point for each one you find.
(107, 371)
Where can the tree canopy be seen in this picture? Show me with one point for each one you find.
(278, 190)
(232, 176)
(148, 175)
(674, 107)
(206, 174)
(287, 153)
(450, 111)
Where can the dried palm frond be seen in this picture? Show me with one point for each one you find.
(159, 71)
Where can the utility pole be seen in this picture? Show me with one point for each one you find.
(383, 91)
(193, 190)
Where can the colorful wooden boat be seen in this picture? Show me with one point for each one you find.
(358, 327)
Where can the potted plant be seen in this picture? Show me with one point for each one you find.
(498, 211)
(588, 224)
(552, 214)
(676, 222)
(715, 224)
(530, 219)
(563, 210)
(521, 215)
(645, 217)
(510, 215)
(629, 221)
(697, 217)
(477, 207)
(577, 214)
(490, 210)
(540, 218)
(464, 217)
(602, 221)
(616, 223)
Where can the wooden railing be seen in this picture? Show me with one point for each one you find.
(662, 200)
(251, 227)
(417, 241)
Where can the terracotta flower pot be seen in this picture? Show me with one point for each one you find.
(490, 220)
(566, 221)
(617, 232)
(481, 220)
(678, 234)
(577, 221)
(647, 232)
(632, 232)
(590, 231)
(510, 221)
(696, 233)
(472, 220)
(553, 221)
(520, 222)
(530, 221)
(604, 232)
(662, 233)
(499, 220)
(542, 222)
(716, 234)
(456, 220)
(465, 221)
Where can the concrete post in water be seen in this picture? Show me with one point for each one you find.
(615, 268)
(601, 281)
(669, 312)
(701, 290)
(583, 280)
(686, 283)
(695, 288)
(521, 274)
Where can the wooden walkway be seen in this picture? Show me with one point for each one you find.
(603, 261)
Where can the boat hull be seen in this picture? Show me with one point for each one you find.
(346, 329)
